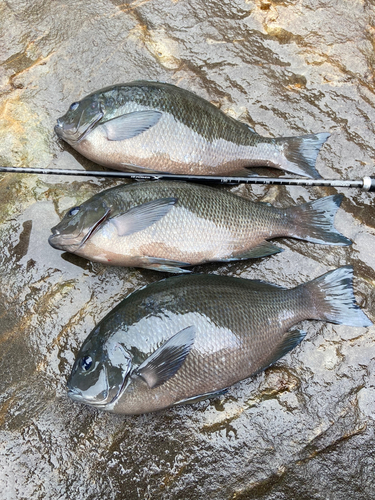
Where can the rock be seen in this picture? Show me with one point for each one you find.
(303, 429)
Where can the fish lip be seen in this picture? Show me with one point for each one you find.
(77, 396)
(50, 241)
(55, 232)
(58, 129)
(64, 134)
(65, 242)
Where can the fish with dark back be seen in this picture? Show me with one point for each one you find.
(167, 226)
(157, 127)
(189, 337)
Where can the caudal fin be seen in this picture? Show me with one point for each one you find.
(300, 153)
(332, 298)
(313, 221)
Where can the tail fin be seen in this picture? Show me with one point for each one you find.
(332, 298)
(300, 153)
(313, 221)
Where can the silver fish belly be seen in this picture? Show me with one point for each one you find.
(152, 126)
(189, 337)
(167, 226)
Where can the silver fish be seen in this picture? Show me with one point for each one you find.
(167, 226)
(188, 337)
(151, 126)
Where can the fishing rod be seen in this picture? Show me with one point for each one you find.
(366, 184)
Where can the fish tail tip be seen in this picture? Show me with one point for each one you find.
(300, 153)
(323, 136)
(314, 221)
(334, 298)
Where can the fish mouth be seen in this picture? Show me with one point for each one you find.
(66, 242)
(77, 395)
(69, 132)
(59, 242)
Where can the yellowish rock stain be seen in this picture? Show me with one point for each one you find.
(24, 139)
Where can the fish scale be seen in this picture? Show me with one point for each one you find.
(224, 328)
(200, 224)
(153, 126)
(229, 328)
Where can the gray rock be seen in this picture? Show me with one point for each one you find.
(302, 430)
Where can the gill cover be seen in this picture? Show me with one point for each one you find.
(78, 224)
(80, 119)
(99, 371)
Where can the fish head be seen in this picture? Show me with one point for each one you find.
(100, 371)
(80, 119)
(78, 224)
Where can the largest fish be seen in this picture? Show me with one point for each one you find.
(152, 126)
(188, 337)
(168, 225)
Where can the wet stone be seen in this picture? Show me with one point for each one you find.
(304, 428)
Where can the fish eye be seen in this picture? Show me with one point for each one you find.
(94, 105)
(74, 211)
(86, 363)
(74, 106)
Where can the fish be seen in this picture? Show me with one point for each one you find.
(145, 126)
(170, 225)
(190, 337)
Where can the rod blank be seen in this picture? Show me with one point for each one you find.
(366, 184)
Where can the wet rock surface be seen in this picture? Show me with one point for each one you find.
(303, 429)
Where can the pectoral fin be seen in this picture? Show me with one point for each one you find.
(130, 125)
(265, 203)
(167, 360)
(142, 216)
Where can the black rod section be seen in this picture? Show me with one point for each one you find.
(367, 183)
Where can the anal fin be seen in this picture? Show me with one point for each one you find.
(242, 172)
(202, 397)
(132, 167)
(261, 250)
(289, 341)
(165, 265)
